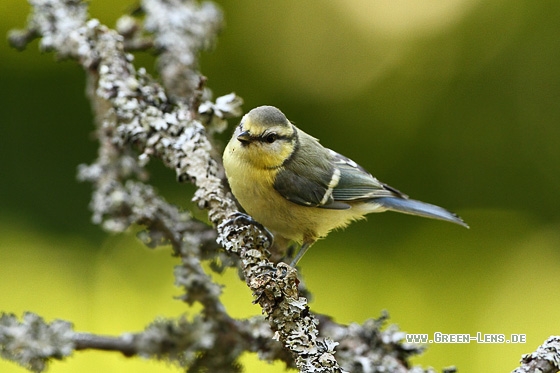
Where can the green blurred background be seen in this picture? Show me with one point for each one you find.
(453, 102)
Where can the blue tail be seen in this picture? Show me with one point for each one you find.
(413, 207)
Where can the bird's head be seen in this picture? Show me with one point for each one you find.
(265, 138)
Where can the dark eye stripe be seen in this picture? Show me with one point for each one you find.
(264, 138)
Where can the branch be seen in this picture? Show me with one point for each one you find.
(546, 359)
(31, 342)
(132, 109)
(134, 114)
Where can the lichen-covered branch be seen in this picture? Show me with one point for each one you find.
(181, 29)
(137, 120)
(32, 342)
(546, 359)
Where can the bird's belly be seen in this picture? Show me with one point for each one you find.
(285, 218)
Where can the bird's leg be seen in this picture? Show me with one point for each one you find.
(239, 217)
(290, 251)
(287, 251)
(300, 254)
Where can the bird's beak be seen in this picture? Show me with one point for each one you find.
(244, 137)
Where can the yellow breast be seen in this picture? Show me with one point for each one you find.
(253, 188)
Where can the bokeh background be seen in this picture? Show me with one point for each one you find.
(454, 102)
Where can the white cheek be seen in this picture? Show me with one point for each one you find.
(274, 148)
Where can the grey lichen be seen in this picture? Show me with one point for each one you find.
(214, 115)
(179, 340)
(371, 347)
(546, 359)
(32, 342)
(181, 29)
(275, 288)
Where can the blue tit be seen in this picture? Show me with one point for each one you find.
(298, 189)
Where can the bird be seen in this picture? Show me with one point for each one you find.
(300, 190)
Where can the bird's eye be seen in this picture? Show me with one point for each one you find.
(270, 138)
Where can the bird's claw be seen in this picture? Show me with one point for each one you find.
(242, 218)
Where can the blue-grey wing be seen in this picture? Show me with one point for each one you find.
(309, 180)
(357, 184)
(322, 178)
(318, 177)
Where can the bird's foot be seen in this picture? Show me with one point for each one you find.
(242, 218)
